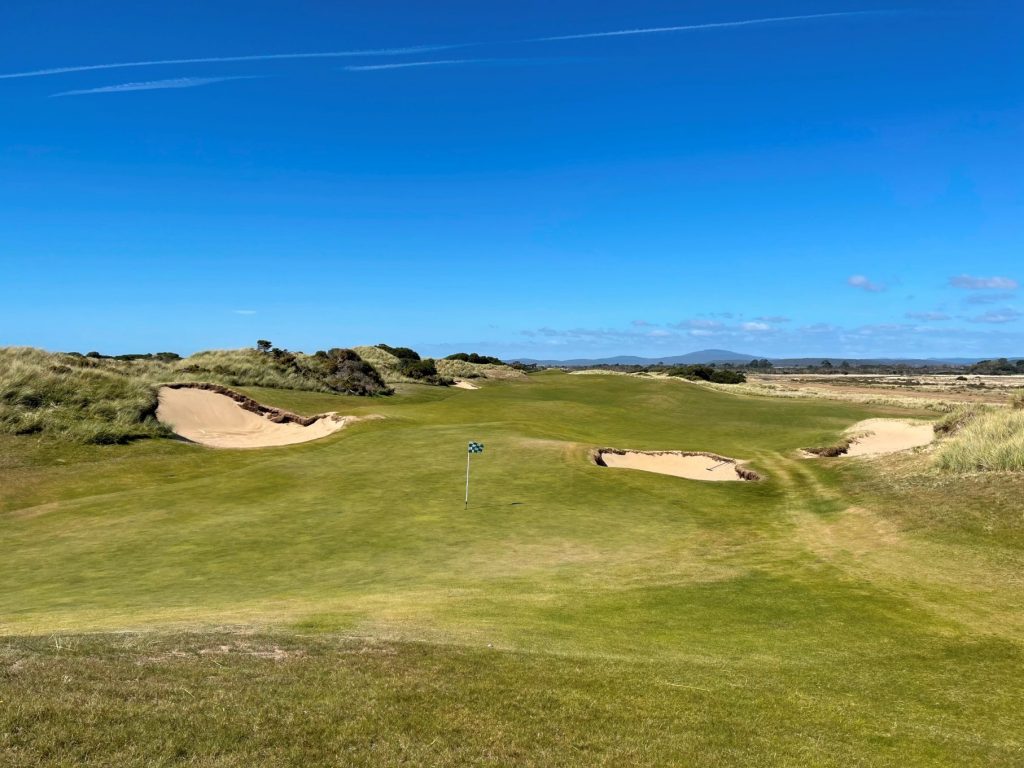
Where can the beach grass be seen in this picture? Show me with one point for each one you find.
(335, 603)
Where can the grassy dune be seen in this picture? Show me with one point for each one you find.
(333, 603)
(992, 440)
(106, 400)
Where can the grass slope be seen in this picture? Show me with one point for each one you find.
(573, 615)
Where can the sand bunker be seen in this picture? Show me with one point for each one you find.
(463, 384)
(219, 418)
(875, 437)
(691, 465)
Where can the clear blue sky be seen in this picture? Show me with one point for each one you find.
(849, 184)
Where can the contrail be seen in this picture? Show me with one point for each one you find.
(226, 59)
(688, 27)
(403, 64)
(153, 85)
(430, 48)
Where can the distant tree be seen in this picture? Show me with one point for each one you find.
(402, 353)
(262, 345)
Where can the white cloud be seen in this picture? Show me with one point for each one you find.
(404, 64)
(756, 327)
(997, 316)
(927, 317)
(860, 281)
(971, 283)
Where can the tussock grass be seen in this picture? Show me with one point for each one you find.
(992, 442)
(462, 369)
(75, 398)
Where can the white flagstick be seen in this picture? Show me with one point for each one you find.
(468, 454)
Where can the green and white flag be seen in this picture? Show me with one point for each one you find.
(474, 447)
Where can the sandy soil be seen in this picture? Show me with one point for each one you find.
(218, 421)
(692, 467)
(462, 384)
(883, 436)
(950, 388)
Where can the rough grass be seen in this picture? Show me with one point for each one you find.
(460, 369)
(991, 442)
(74, 398)
(342, 607)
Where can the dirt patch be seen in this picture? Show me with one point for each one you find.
(693, 465)
(220, 418)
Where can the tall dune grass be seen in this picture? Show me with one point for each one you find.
(75, 398)
(992, 442)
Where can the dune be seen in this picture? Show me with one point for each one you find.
(216, 417)
(691, 465)
(463, 384)
(876, 437)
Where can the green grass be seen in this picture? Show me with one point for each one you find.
(838, 613)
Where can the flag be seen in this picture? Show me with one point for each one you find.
(476, 447)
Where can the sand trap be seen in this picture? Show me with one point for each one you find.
(218, 420)
(463, 384)
(693, 466)
(880, 436)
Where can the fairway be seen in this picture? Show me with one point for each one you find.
(573, 615)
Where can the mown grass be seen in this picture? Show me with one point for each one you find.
(842, 613)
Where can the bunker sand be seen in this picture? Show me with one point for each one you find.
(877, 437)
(692, 466)
(463, 384)
(216, 420)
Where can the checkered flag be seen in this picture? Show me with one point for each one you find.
(474, 447)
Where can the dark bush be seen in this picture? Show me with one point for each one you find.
(473, 357)
(402, 353)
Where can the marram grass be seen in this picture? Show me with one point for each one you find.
(992, 442)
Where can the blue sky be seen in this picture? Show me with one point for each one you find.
(505, 177)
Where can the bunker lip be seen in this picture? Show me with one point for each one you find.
(692, 465)
(215, 416)
(878, 437)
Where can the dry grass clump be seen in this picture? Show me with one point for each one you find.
(957, 419)
(992, 442)
(835, 449)
(1017, 400)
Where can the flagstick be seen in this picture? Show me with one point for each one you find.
(468, 454)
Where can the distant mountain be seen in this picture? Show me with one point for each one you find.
(691, 358)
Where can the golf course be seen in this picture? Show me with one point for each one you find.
(335, 601)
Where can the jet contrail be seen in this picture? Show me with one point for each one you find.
(403, 64)
(153, 85)
(430, 48)
(225, 59)
(710, 25)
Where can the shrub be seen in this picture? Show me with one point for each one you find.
(402, 353)
(708, 373)
(474, 358)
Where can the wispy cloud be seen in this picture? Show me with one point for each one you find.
(997, 316)
(927, 317)
(154, 85)
(244, 311)
(693, 27)
(419, 49)
(860, 281)
(404, 64)
(971, 283)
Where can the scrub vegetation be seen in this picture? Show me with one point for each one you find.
(334, 603)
